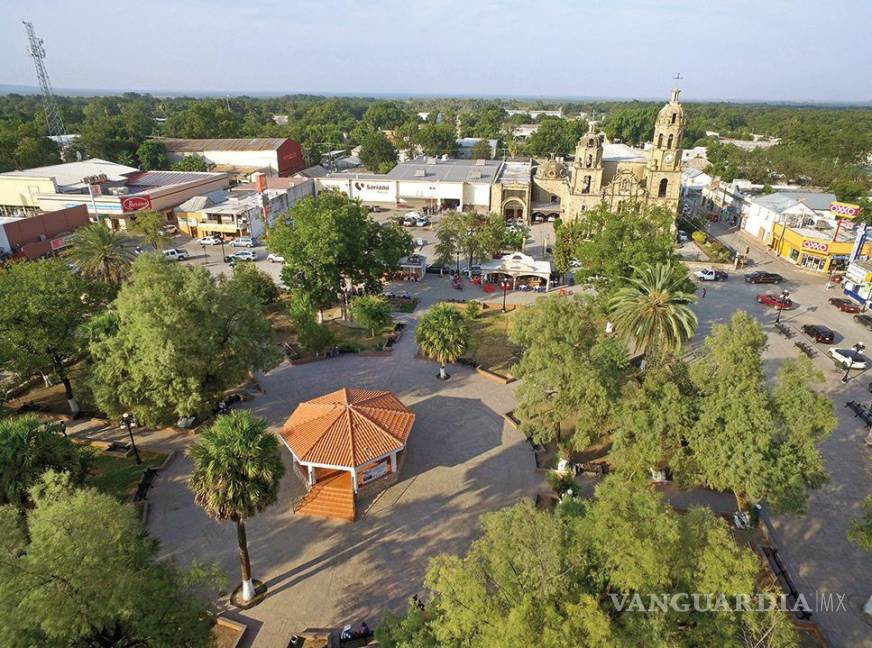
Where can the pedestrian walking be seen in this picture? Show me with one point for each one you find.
(703, 292)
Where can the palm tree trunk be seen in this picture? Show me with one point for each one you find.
(244, 562)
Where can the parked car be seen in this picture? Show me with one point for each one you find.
(422, 222)
(844, 305)
(683, 236)
(849, 358)
(209, 240)
(411, 219)
(574, 263)
(243, 241)
(242, 255)
(176, 254)
(376, 208)
(759, 277)
(775, 300)
(709, 274)
(272, 257)
(819, 333)
(864, 320)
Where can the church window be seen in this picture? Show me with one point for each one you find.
(661, 193)
(585, 187)
(669, 143)
(625, 185)
(660, 140)
(589, 161)
(674, 115)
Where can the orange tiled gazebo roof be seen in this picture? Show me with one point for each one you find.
(348, 427)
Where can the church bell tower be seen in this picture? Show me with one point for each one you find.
(587, 170)
(664, 160)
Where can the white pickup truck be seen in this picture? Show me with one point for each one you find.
(175, 254)
(708, 274)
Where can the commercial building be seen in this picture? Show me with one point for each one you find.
(241, 157)
(241, 211)
(110, 192)
(34, 236)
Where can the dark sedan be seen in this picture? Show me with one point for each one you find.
(760, 277)
(818, 333)
(844, 305)
(864, 320)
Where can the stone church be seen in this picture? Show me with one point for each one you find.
(602, 172)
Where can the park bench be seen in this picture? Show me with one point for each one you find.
(806, 349)
(785, 330)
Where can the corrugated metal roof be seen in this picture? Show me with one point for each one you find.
(71, 173)
(348, 427)
(178, 145)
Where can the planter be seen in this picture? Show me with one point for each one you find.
(492, 375)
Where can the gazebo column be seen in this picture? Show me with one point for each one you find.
(514, 282)
(311, 475)
(393, 462)
(354, 479)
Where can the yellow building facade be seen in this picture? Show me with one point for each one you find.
(815, 253)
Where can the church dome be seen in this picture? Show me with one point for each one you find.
(551, 170)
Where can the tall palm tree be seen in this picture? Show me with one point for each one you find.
(100, 253)
(237, 469)
(442, 335)
(653, 309)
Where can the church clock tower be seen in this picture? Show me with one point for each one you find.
(587, 170)
(664, 160)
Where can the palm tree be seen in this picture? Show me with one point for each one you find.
(442, 335)
(149, 226)
(100, 253)
(653, 309)
(237, 469)
(27, 449)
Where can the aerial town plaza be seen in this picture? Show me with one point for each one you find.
(342, 335)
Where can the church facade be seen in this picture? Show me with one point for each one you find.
(602, 173)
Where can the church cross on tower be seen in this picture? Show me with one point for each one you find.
(676, 89)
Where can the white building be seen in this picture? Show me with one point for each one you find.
(523, 131)
(793, 208)
(449, 183)
(536, 114)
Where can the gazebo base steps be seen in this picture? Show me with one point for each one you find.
(331, 498)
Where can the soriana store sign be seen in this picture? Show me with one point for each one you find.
(815, 246)
(135, 203)
(844, 210)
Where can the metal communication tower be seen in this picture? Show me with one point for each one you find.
(52, 114)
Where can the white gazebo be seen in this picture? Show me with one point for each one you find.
(517, 265)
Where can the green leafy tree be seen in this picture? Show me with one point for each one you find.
(756, 442)
(29, 448)
(860, 530)
(183, 337)
(491, 235)
(564, 579)
(384, 115)
(102, 254)
(237, 471)
(481, 150)
(571, 373)
(437, 139)
(249, 279)
(555, 136)
(652, 311)
(152, 155)
(611, 244)
(151, 227)
(442, 335)
(372, 312)
(41, 311)
(311, 335)
(81, 572)
(376, 153)
(631, 124)
(190, 163)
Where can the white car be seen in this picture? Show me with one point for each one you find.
(243, 255)
(209, 240)
(849, 358)
(275, 258)
(422, 222)
(175, 254)
(574, 263)
(707, 274)
(242, 241)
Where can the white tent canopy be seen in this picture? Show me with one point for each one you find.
(517, 265)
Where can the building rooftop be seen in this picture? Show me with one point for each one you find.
(516, 172)
(451, 170)
(275, 182)
(613, 152)
(784, 200)
(72, 173)
(177, 145)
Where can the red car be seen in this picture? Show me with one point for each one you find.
(844, 305)
(775, 300)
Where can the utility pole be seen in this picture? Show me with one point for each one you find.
(52, 115)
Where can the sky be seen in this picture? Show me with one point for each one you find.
(749, 50)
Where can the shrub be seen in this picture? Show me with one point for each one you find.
(472, 310)
(699, 237)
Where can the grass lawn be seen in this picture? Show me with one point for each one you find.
(349, 333)
(119, 475)
(489, 342)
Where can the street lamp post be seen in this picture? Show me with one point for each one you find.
(205, 254)
(224, 258)
(857, 348)
(505, 286)
(784, 295)
(126, 418)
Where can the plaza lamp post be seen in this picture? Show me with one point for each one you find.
(205, 254)
(784, 295)
(505, 287)
(222, 250)
(127, 419)
(857, 348)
